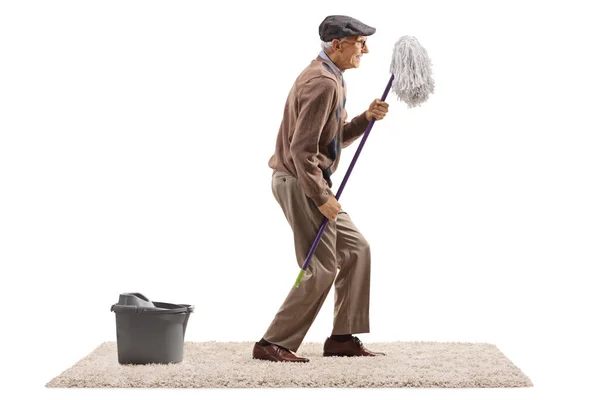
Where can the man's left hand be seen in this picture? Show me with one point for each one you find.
(377, 109)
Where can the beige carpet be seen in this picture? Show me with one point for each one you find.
(230, 365)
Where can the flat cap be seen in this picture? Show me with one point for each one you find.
(340, 26)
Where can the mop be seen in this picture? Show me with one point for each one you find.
(412, 82)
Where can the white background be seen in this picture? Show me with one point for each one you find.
(135, 137)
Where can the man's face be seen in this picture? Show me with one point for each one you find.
(351, 50)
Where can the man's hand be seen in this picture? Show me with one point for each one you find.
(331, 208)
(377, 109)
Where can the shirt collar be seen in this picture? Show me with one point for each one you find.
(325, 56)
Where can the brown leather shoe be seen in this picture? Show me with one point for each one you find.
(274, 352)
(352, 347)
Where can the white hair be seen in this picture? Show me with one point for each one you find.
(326, 46)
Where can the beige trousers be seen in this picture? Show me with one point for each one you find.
(342, 257)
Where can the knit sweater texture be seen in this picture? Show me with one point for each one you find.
(314, 130)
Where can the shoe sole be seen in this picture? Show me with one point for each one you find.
(337, 355)
(273, 359)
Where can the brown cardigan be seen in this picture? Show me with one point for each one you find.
(313, 130)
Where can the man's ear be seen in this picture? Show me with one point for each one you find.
(337, 44)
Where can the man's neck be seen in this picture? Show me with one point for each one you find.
(332, 58)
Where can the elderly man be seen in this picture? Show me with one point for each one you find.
(307, 152)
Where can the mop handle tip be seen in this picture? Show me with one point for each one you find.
(299, 279)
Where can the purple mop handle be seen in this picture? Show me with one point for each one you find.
(339, 193)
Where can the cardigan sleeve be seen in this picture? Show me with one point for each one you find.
(316, 101)
(354, 129)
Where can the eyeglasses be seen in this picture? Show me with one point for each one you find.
(362, 43)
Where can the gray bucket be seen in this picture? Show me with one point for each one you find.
(149, 331)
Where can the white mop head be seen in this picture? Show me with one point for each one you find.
(412, 72)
